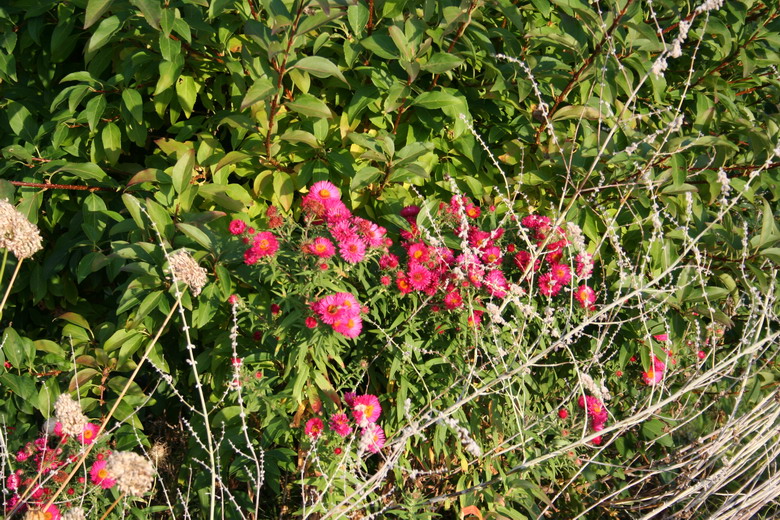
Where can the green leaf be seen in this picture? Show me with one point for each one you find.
(300, 136)
(95, 9)
(88, 171)
(381, 45)
(357, 16)
(134, 104)
(103, 34)
(308, 105)
(231, 158)
(182, 172)
(319, 67)
(434, 100)
(262, 89)
(20, 385)
(149, 303)
(283, 189)
(575, 112)
(112, 142)
(13, 348)
(773, 253)
(21, 121)
(95, 108)
(364, 177)
(442, 62)
(151, 10)
(196, 234)
(187, 93)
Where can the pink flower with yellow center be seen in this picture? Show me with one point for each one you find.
(314, 427)
(349, 327)
(339, 423)
(325, 192)
(366, 409)
(352, 250)
(561, 273)
(98, 475)
(321, 247)
(372, 438)
(89, 434)
(585, 296)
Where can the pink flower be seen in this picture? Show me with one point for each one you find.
(99, 475)
(339, 423)
(366, 409)
(51, 513)
(336, 307)
(235, 362)
(523, 258)
(595, 410)
(233, 299)
(349, 399)
(475, 319)
(374, 235)
(402, 282)
(561, 273)
(321, 247)
(419, 277)
(584, 265)
(473, 211)
(453, 300)
(549, 286)
(314, 427)
(89, 434)
(496, 284)
(492, 256)
(237, 226)
(325, 192)
(372, 438)
(563, 413)
(655, 374)
(586, 297)
(265, 243)
(349, 327)
(311, 322)
(385, 280)
(418, 252)
(352, 250)
(13, 481)
(410, 213)
(388, 261)
(661, 337)
(343, 230)
(701, 354)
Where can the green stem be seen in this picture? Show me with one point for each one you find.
(10, 283)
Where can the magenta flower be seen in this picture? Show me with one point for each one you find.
(349, 399)
(89, 434)
(549, 286)
(321, 247)
(265, 243)
(98, 475)
(339, 423)
(496, 284)
(561, 273)
(237, 227)
(453, 300)
(419, 277)
(661, 337)
(491, 256)
(352, 250)
(418, 252)
(350, 327)
(586, 297)
(372, 438)
(388, 261)
(314, 427)
(366, 409)
(325, 192)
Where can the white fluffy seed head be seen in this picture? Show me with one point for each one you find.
(17, 234)
(134, 474)
(187, 270)
(68, 412)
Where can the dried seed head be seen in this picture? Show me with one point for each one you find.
(17, 234)
(158, 453)
(35, 514)
(186, 269)
(134, 474)
(68, 412)
(74, 513)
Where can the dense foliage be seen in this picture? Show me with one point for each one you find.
(334, 259)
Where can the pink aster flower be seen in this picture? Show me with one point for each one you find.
(453, 299)
(372, 438)
(418, 253)
(496, 284)
(410, 213)
(98, 475)
(491, 256)
(349, 398)
(349, 327)
(314, 427)
(388, 261)
(321, 247)
(549, 286)
(655, 374)
(585, 296)
(584, 265)
(374, 235)
(13, 481)
(561, 273)
(402, 282)
(339, 423)
(264, 244)
(336, 212)
(661, 337)
(325, 192)
(366, 409)
(52, 513)
(419, 277)
(311, 322)
(523, 258)
(473, 211)
(89, 434)
(352, 250)
(237, 227)
(343, 230)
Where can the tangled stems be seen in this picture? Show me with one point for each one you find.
(116, 404)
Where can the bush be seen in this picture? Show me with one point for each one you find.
(380, 259)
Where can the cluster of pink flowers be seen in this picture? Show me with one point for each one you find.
(490, 257)
(365, 414)
(341, 311)
(596, 413)
(353, 235)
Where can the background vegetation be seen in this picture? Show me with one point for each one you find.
(132, 128)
